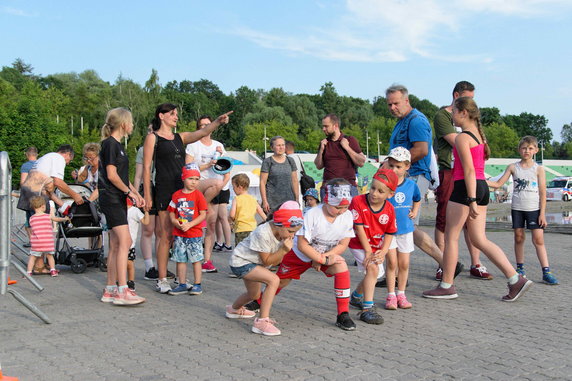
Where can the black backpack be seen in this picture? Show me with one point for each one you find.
(306, 181)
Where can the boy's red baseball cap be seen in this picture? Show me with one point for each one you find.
(387, 177)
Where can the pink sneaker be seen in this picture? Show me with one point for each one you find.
(391, 302)
(109, 296)
(54, 272)
(439, 274)
(402, 302)
(208, 267)
(265, 327)
(127, 298)
(241, 313)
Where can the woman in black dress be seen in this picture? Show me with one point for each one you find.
(167, 150)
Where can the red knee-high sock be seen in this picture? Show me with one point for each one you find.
(342, 290)
(259, 300)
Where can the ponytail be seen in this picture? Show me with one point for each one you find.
(483, 139)
(106, 130)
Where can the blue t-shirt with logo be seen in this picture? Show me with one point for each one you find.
(414, 128)
(405, 195)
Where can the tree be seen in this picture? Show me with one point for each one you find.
(263, 114)
(502, 140)
(529, 124)
(490, 115)
(329, 100)
(254, 134)
(566, 133)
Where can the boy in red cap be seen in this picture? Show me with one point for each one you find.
(187, 209)
(374, 225)
(265, 246)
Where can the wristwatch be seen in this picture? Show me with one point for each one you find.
(127, 193)
(471, 199)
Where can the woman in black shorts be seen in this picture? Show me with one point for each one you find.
(168, 150)
(114, 188)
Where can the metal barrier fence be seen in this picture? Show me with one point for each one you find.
(6, 238)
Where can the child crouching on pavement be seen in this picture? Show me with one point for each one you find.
(187, 209)
(374, 225)
(265, 246)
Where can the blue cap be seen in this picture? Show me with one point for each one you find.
(312, 192)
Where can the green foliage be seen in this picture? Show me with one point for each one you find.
(502, 140)
(40, 110)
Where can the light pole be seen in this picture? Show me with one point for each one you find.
(265, 139)
(367, 137)
(378, 151)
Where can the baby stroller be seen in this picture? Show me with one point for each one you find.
(85, 223)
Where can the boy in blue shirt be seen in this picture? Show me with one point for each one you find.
(406, 201)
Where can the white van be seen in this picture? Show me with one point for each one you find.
(559, 188)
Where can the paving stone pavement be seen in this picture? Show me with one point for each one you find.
(475, 337)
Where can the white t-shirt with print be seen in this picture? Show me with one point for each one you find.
(203, 154)
(322, 234)
(261, 240)
(134, 217)
(51, 164)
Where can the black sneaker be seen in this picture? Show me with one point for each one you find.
(458, 269)
(356, 302)
(252, 306)
(345, 322)
(170, 275)
(151, 274)
(371, 316)
(381, 283)
(27, 245)
(131, 285)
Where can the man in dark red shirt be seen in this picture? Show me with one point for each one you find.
(339, 155)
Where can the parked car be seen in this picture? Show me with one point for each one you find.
(559, 188)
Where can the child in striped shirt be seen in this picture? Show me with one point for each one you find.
(42, 237)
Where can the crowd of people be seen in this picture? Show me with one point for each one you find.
(180, 199)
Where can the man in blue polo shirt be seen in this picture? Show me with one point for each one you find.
(413, 132)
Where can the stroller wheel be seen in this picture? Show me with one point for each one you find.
(79, 266)
(102, 265)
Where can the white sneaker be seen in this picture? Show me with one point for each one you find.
(163, 286)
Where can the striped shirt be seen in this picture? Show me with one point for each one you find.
(42, 238)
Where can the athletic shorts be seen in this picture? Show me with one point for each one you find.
(222, 198)
(459, 194)
(187, 250)
(359, 256)
(242, 271)
(115, 211)
(163, 194)
(292, 267)
(520, 217)
(442, 195)
(153, 210)
(403, 243)
(240, 236)
(131, 256)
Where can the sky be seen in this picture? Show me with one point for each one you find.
(516, 52)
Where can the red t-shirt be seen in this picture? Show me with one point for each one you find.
(337, 162)
(187, 206)
(376, 223)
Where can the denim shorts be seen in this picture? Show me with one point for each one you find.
(241, 271)
(187, 250)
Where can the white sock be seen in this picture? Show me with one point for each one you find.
(391, 294)
(111, 288)
(148, 264)
(445, 285)
(400, 292)
(513, 279)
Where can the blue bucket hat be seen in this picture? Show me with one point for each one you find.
(312, 192)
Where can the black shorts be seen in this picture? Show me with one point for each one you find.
(459, 194)
(163, 194)
(520, 217)
(222, 198)
(115, 210)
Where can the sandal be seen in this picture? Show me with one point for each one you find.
(40, 271)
